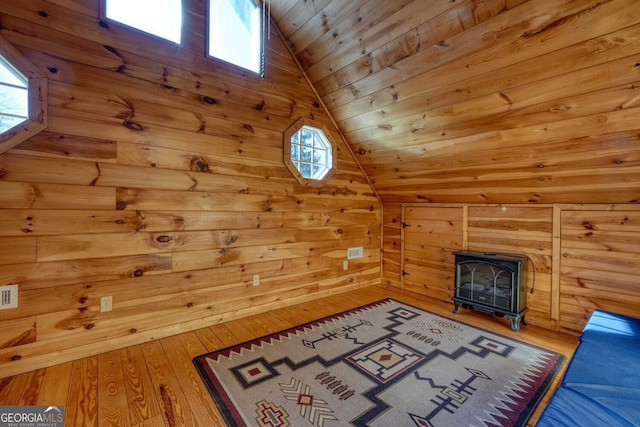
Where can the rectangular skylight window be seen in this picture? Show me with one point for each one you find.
(162, 18)
(235, 33)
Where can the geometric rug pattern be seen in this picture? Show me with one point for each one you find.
(383, 364)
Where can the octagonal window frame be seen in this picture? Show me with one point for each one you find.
(36, 119)
(321, 153)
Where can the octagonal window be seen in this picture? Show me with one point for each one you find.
(23, 98)
(309, 154)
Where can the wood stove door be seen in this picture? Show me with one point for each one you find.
(486, 283)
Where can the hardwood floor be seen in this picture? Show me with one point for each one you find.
(156, 384)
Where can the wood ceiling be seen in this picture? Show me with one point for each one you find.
(479, 101)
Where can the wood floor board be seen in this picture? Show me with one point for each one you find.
(209, 339)
(239, 331)
(187, 376)
(175, 405)
(25, 389)
(142, 403)
(156, 384)
(6, 385)
(265, 324)
(224, 334)
(111, 391)
(82, 405)
(55, 385)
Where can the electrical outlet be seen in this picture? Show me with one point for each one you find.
(345, 265)
(106, 304)
(256, 279)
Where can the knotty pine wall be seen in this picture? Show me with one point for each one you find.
(480, 101)
(160, 182)
(465, 107)
(585, 256)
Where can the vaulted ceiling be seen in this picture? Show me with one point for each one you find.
(493, 101)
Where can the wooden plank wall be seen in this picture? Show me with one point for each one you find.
(392, 253)
(519, 229)
(160, 182)
(430, 237)
(585, 256)
(480, 101)
(600, 263)
(483, 104)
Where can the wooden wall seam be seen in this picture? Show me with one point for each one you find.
(555, 275)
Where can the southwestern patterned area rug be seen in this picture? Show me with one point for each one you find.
(383, 364)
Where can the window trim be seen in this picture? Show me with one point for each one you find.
(299, 124)
(37, 119)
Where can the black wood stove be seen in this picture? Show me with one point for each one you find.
(492, 283)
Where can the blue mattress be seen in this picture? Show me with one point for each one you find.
(601, 386)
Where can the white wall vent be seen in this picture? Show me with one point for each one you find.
(8, 296)
(355, 252)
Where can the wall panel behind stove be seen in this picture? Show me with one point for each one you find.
(585, 256)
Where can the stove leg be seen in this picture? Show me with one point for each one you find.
(457, 306)
(515, 322)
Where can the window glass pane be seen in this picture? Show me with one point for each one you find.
(306, 137)
(319, 156)
(7, 123)
(306, 170)
(14, 101)
(295, 138)
(14, 96)
(235, 33)
(162, 18)
(295, 152)
(10, 75)
(317, 140)
(306, 154)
